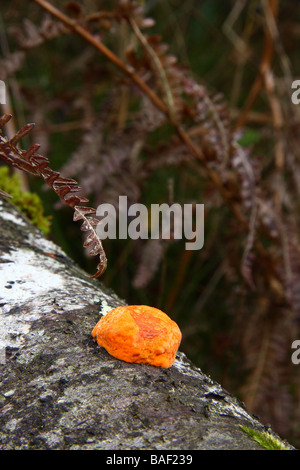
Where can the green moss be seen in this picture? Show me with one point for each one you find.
(28, 203)
(266, 439)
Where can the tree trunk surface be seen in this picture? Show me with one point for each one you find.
(60, 390)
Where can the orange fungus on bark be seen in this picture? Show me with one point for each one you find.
(140, 334)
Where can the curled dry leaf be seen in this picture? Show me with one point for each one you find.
(38, 165)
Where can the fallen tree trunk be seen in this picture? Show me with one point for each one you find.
(59, 390)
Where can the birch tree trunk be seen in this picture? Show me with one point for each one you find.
(60, 390)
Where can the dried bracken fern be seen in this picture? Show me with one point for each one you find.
(66, 188)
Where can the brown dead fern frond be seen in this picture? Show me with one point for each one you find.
(66, 188)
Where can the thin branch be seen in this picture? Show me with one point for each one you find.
(264, 68)
(160, 70)
(81, 31)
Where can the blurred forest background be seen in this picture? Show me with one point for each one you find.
(206, 118)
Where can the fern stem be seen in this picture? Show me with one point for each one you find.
(81, 31)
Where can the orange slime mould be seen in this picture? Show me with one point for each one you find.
(139, 334)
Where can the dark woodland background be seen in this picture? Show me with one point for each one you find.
(228, 136)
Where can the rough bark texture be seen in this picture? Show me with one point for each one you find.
(59, 390)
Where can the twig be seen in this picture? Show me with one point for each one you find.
(160, 70)
(81, 31)
(263, 69)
